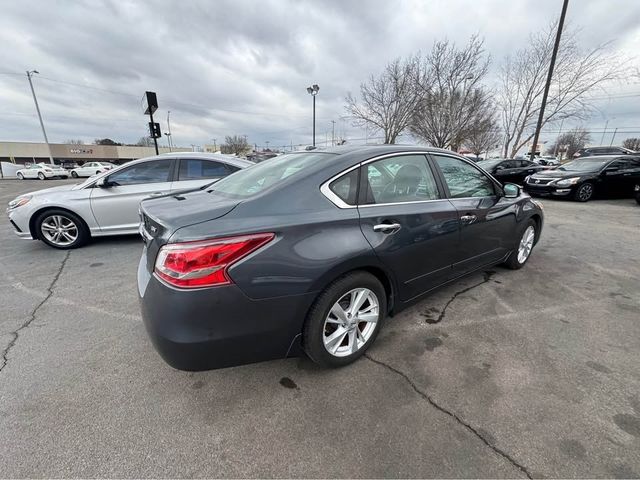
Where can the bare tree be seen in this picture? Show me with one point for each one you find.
(483, 136)
(144, 142)
(632, 144)
(522, 78)
(74, 141)
(570, 142)
(387, 101)
(235, 145)
(451, 93)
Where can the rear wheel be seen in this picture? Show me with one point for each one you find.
(62, 229)
(345, 320)
(41, 176)
(74, 174)
(522, 252)
(584, 192)
(20, 176)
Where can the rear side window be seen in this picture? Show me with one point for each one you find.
(405, 178)
(195, 169)
(346, 187)
(463, 179)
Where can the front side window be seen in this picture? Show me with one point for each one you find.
(196, 169)
(156, 171)
(405, 178)
(463, 179)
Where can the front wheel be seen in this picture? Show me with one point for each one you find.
(522, 252)
(62, 229)
(74, 174)
(41, 176)
(584, 192)
(20, 176)
(345, 320)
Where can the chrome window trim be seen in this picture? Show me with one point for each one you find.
(338, 202)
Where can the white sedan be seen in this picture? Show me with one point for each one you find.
(91, 168)
(107, 204)
(42, 171)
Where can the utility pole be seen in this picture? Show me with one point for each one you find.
(565, 4)
(215, 149)
(555, 151)
(35, 100)
(169, 130)
(333, 133)
(606, 124)
(614, 135)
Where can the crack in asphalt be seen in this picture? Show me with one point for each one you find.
(487, 278)
(16, 333)
(444, 410)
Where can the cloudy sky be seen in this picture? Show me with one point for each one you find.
(242, 67)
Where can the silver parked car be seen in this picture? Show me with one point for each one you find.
(42, 171)
(107, 204)
(91, 168)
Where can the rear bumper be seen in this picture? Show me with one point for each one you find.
(217, 327)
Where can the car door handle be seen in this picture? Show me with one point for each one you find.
(387, 227)
(530, 171)
(156, 194)
(469, 218)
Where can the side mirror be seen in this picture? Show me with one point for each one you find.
(104, 183)
(499, 167)
(511, 190)
(611, 170)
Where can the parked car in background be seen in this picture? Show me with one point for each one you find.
(547, 160)
(68, 216)
(91, 168)
(312, 250)
(510, 170)
(42, 171)
(581, 179)
(596, 151)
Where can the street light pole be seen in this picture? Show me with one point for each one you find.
(333, 133)
(35, 100)
(313, 91)
(606, 124)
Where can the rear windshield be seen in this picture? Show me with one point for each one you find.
(267, 174)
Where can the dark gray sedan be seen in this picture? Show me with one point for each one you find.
(311, 251)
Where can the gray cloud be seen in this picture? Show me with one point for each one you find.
(240, 67)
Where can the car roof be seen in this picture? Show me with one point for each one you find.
(205, 155)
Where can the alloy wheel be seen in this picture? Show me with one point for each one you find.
(59, 230)
(526, 244)
(351, 322)
(585, 192)
(41, 176)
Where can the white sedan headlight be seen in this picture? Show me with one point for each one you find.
(18, 202)
(565, 182)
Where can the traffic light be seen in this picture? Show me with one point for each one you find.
(154, 130)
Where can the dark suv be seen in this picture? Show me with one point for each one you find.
(595, 151)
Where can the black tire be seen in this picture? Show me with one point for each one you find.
(20, 176)
(41, 176)
(74, 174)
(314, 329)
(513, 262)
(64, 177)
(584, 192)
(97, 172)
(83, 234)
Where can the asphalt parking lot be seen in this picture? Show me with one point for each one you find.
(505, 374)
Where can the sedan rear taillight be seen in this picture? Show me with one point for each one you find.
(205, 263)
